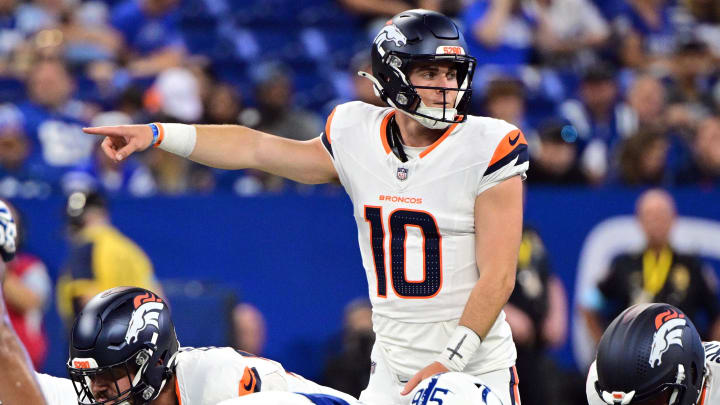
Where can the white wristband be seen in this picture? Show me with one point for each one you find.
(458, 351)
(177, 138)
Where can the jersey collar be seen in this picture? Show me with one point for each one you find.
(386, 146)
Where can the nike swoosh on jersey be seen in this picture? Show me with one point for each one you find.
(514, 141)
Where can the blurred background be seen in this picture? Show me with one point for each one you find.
(615, 97)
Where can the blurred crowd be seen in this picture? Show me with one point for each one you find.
(607, 92)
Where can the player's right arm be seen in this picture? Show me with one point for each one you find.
(232, 147)
(17, 382)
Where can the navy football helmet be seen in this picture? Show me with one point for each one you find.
(649, 352)
(420, 36)
(124, 333)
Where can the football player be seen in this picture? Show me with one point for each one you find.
(651, 354)
(123, 350)
(437, 197)
(445, 388)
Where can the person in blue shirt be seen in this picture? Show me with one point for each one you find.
(53, 120)
(152, 35)
(500, 32)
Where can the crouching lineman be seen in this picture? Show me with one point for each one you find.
(445, 388)
(651, 354)
(123, 347)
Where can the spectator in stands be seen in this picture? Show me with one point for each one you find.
(505, 100)
(223, 105)
(656, 274)
(152, 36)
(645, 104)
(249, 332)
(570, 32)
(554, 160)
(689, 90)
(595, 117)
(88, 36)
(27, 289)
(175, 97)
(101, 257)
(643, 158)
(537, 314)
(349, 369)
(19, 177)
(647, 32)
(704, 167)
(278, 114)
(500, 32)
(53, 120)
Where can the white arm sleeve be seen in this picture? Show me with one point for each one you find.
(57, 391)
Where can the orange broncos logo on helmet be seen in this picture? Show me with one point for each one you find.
(669, 327)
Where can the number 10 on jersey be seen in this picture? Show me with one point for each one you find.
(398, 221)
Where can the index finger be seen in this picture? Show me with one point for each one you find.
(103, 131)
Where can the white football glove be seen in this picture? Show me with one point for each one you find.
(8, 233)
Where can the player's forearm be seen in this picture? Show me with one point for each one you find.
(17, 382)
(487, 298)
(238, 147)
(498, 231)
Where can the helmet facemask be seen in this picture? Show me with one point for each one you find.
(135, 371)
(392, 85)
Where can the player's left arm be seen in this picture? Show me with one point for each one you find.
(498, 231)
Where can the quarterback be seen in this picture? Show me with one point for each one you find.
(437, 198)
(651, 354)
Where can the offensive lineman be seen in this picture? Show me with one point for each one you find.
(437, 198)
(651, 354)
(123, 350)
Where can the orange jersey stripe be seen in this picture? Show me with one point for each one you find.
(442, 138)
(177, 391)
(516, 390)
(383, 131)
(702, 395)
(507, 145)
(327, 125)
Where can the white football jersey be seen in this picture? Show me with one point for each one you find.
(57, 391)
(207, 376)
(415, 219)
(710, 393)
(289, 398)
